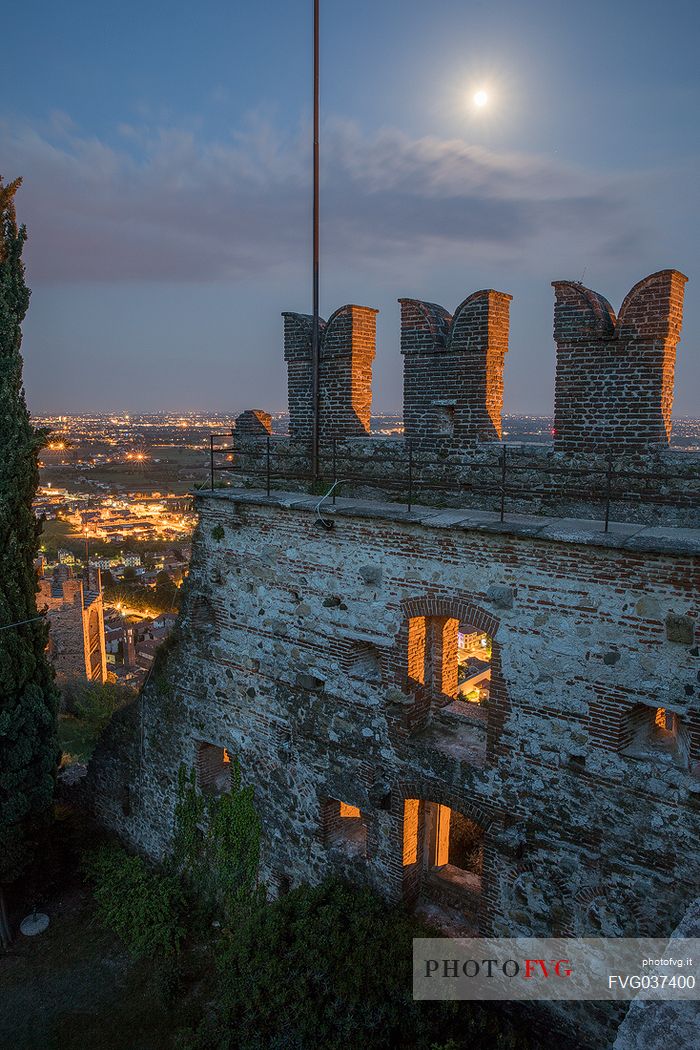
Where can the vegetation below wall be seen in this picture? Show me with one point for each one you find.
(328, 967)
(190, 955)
(87, 710)
(322, 967)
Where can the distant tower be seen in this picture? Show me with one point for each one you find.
(129, 646)
(76, 626)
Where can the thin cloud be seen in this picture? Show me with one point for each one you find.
(165, 204)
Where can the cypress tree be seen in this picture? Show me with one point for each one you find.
(28, 697)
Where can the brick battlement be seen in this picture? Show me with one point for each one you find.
(614, 378)
(614, 381)
(453, 366)
(348, 342)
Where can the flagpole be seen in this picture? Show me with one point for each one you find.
(315, 331)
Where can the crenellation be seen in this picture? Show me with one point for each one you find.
(347, 350)
(453, 366)
(614, 378)
(253, 423)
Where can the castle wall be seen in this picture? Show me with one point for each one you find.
(658, 487)
(324, 660)
(581, 835)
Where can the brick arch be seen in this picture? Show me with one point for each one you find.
(647, 309)
(411, 717)
(581, 313)
(419, 315)
(456, 608)
(427, 791)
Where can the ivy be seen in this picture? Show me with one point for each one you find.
(216, 843)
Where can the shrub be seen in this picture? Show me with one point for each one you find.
(329, 967)
(143, 906)
(94, 703)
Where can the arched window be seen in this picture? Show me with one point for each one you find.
(449, 657)
(443, 860)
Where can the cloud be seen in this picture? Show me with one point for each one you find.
(168, 204)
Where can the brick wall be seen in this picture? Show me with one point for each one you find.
(347, 351)
(453, 366)
(614, 375)
(614, 378)
(253, 423)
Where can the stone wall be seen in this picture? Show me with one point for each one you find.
(657, 487)
(302, 672)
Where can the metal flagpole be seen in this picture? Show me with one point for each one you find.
(315, 333)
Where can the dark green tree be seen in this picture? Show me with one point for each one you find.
(28, 697)
(166, 591)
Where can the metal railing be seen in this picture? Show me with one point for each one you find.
(263, 458)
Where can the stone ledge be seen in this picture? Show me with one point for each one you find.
(586, 532)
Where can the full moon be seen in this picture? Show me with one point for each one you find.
(480, 99)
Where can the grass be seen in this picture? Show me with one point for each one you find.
(75, 988)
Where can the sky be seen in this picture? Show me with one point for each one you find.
(165, 152)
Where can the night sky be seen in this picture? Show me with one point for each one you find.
(165, 150)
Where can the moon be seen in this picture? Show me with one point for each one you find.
(480, 99)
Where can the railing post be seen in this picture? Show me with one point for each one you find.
(335, 467)
(410, 474)
(608, 483)
(267, 463)
(503, 483)
(211, 460)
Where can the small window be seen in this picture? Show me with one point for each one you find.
(213, 769)
(344, 827)
(655, 732)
